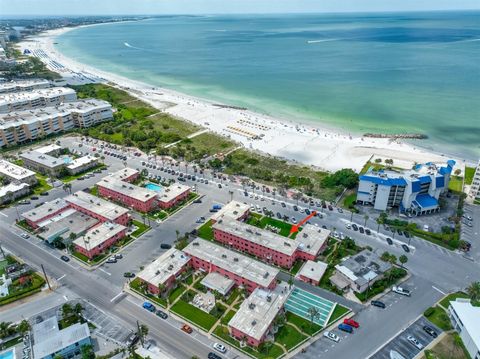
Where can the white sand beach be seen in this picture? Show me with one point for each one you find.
(307, 144)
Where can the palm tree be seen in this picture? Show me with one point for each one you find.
(365, 217)
(5, 329)
(290, 281)
(67, 310)
(142, 332)
(23, 327)
(313, 313)
(473, 291)
(78, 309)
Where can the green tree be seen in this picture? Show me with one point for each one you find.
(313, 313)
(87, 351)
(403, 259)
(23, 327)
(473, 291)
(67, 310)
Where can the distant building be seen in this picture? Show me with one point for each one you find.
(99, 238)
(43, 163)
(49, 341)
(24, 126)
(254, 320)
(245, 271)
(17, 174)
(36, 216)
(474, 193)
(31, 100)
(235, 210)
(81, 164)
(466, 321)
(414, 191)
(98, 208)
(164, 271)
(13, 191)
(360, 271)
(23, 85)
(312, 272)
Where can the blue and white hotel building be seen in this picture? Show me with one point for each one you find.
(414, 191)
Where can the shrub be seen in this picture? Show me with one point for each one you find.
(429, 312)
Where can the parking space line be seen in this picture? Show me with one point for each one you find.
(104, 271)
(3, 214)
(116, 297)
(438, 290)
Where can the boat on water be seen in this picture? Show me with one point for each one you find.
(396, 355)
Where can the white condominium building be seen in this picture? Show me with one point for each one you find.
(474, 193)
(30, 100)
(23, 85)
(23, 126)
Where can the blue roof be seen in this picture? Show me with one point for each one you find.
(425, 201)
(445, 170)
(425, 179)
(451, 163)
(439, 182)
(384, 181)
(416, 186)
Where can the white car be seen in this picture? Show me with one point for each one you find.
(401, 291)
(219, 347)
(415, 342)
(348, 225)
(331, 336)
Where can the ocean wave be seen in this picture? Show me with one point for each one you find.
(318, 41)
(132, 47)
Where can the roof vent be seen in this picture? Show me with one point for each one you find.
(251, 306)
(269, 298)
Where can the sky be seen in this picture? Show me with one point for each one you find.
(134, 7)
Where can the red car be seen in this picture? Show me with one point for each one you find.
(351, 322)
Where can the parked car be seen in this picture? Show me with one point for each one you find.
(214, 356)
(187, 328)
(354, 227)
(25, 236)
(118, 256)
(401, 291)
(65, 258)
(377, 303)
(345, 328)
(389, 241)
(351, 322)
(148, 306)
(219, 347)
(132, 340)
(415, 342)
(430, 331)
(44, 194)
(331, 336)
(111, 260)
(161, 314)
(33, 197)
(406, 248)
(348, 225)
(165, 246)
(24, 202)
(367, 232)
(295, 208)
(129, 275)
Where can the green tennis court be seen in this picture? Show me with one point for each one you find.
(300, 302)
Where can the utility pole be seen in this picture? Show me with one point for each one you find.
(1, 251)
(46, 277)
(139, 331)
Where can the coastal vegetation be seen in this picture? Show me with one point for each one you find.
(27, 67)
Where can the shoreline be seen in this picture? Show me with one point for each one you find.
(301, 142)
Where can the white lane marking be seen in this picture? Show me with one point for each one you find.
(65, 297)
(3, 214)
(63, 276)
(438, 290)
(104, 271)
(118, 295)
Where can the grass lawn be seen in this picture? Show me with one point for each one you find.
(439, 317)
(206, 144)
(136, 285)
(174, 294)
(445, 302)
(289, 336)
(42, 185)
(349, 201)
(469, 173)
(10, 343)
(229, 315)
(272, 353)
(338, 312)
(141, 228)
(23, 224)
(84, 258)
(206, 231)
(305, 325)
(68, 321)
(194, 315)
(447, 349)
(233, 295)
(456, 184)
(18, 290)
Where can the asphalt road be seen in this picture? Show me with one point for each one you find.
(434, 270)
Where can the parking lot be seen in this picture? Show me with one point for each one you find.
(401, 345)
(471, 233)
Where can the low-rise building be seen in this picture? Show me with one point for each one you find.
(474, 193)
(414, 192)
(98, 239)
(359, 271)
(47, 210)
(98, 208)
(23, 126)
(269, 246)
(43, 163)
(23, 85)
(31, 100)
(246, 272)
(466, 321)
(169, 196)
(17, 174)
(81, 164)
(254, 320)
(64, 224)
(234, 210)
(162, 273)
(13, 191)
(52, 149)
(50, 341)
(312, 272)
(217, 282)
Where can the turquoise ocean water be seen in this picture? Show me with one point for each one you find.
(396, 73)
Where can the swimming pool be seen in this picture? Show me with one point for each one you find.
(67, 160)
(9, 354)
(153, 186)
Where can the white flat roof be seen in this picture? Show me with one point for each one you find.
(66, 222)
(124, 173)
(168, 264)
(218, 282)
(12, 187)
(313, 270)
(98, 205)
(98, 235)
(48, 148)
(61, 339)
(51, 92)
(257, 235)
(232, 209)
(44, 210)
(42, 159)
(166, 194)
(470, 317)
(11, 170)
(258, 311)
(232, 261)
(81, 161)
(21, 84)
(311, 239)
(141, 194)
